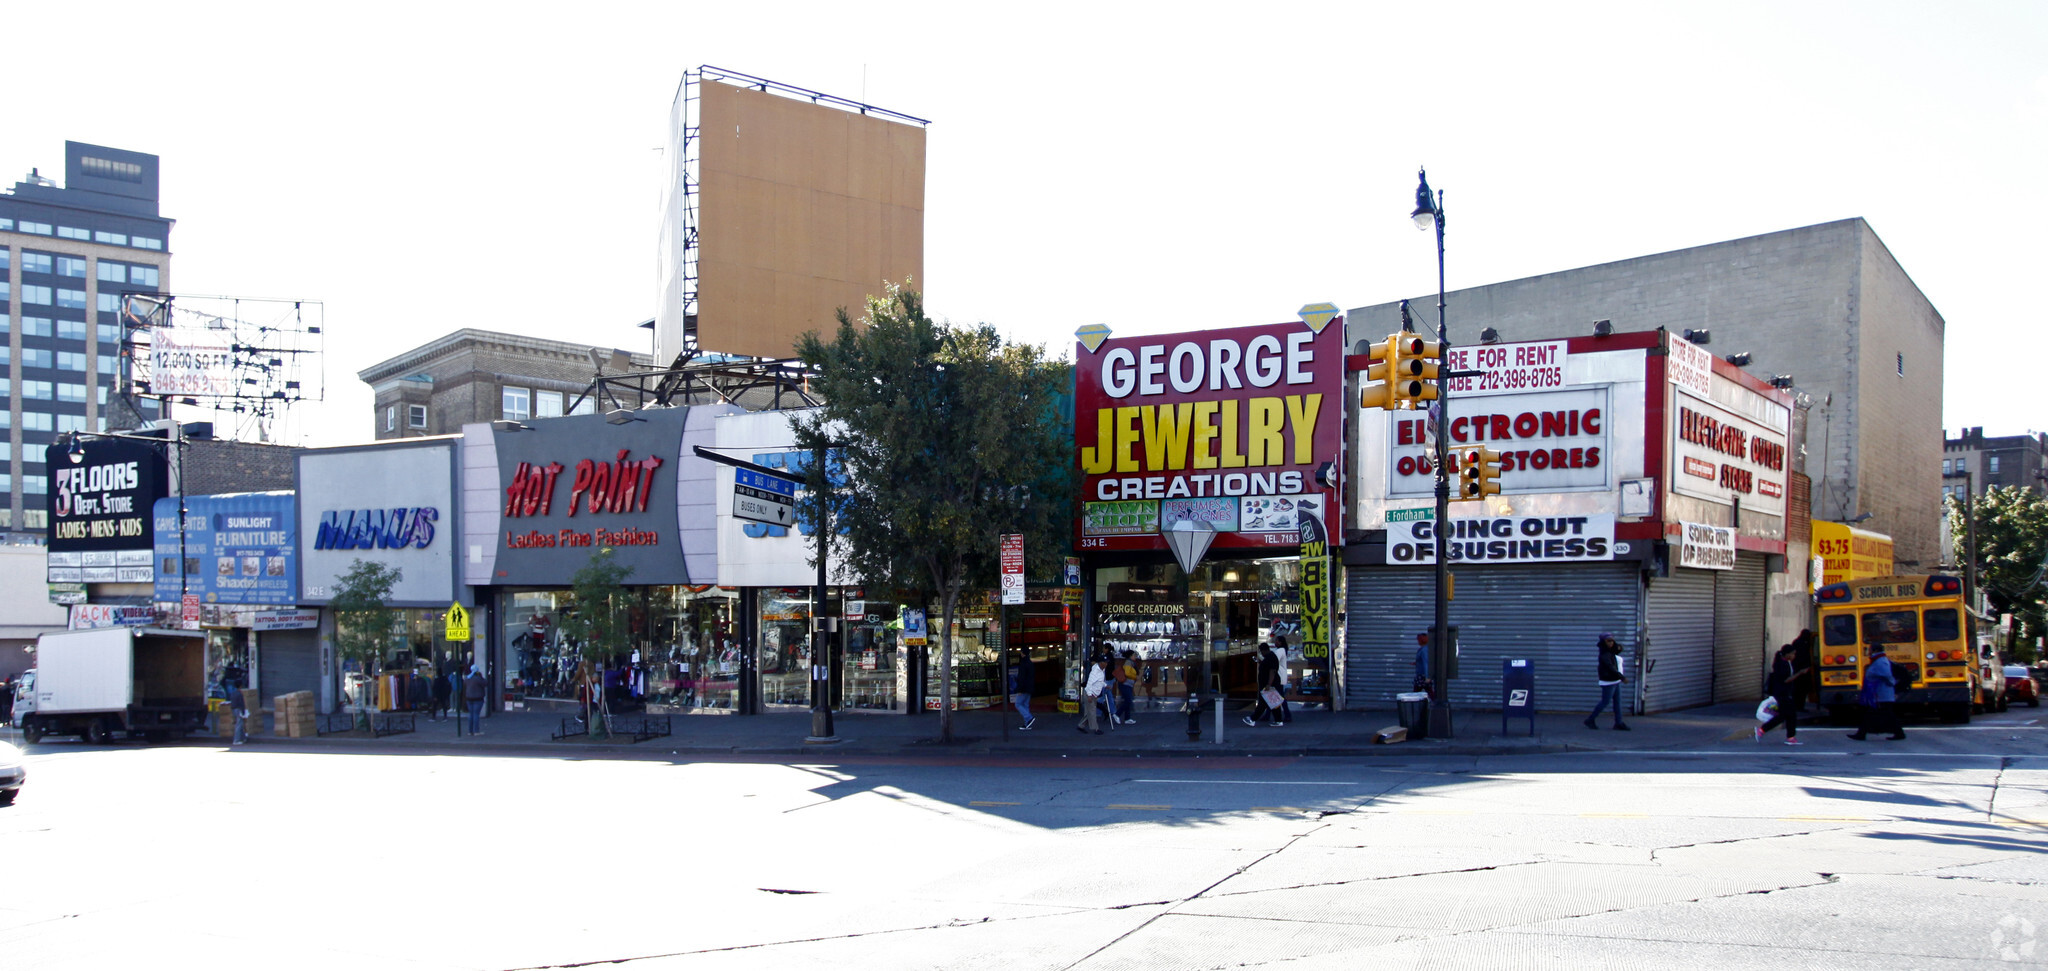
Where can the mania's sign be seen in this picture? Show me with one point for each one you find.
(1725, 457)
(1240, 414)
(1505, 539)
(381, 504)
(568, 487)
(1553, 441)
(103, 501)
(1704, 547)
(237, 549)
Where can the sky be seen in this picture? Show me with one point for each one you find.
(419, 168)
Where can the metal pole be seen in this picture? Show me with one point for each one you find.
(821, 669)
(1440, 641)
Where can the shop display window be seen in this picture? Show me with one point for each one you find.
(1177, 625)
(785, 647)
(868, 675)
(680, 653)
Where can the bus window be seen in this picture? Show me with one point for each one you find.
(1839, 630)
(1891, 627)
(1943, 625)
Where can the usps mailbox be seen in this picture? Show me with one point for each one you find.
(1517, 692)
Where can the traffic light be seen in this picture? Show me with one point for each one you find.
(1480, 468)
(1381, 391)
(1423, 360)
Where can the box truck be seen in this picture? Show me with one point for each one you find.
(94, 683)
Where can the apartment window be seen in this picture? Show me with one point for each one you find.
(416, 416)
(6, 387)
(588, 406)
(103, 395)
(35, 485)
(144, 242)
(71, 299)
(76, 423)
(6, 290)
(107, 363)
(6, 485)
(1945, 467)
(36, 262)
(6, 224)
(34, 453)
(516, 403)
(71, 266)
(106, 168)
(36, 326)
(37, 421)
(1993, 468)
(34, 356)
(110, 303)
(547, 404)
(6, 324)
(142, 276)
(73, 232)
(7, 451)
(6, 255)
(390, 418)
(117, 239)
(113, 272)
(40, 296)
(74, 393)
(40, 229)
(70, 361)
(7, 420)
(38, 390)
(108, 333)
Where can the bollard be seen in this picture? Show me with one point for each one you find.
(1194, 718)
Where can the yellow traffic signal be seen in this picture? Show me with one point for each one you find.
(1424, 359)
(1383, 391)
(1481, 472)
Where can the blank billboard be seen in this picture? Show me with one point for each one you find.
(805, 209)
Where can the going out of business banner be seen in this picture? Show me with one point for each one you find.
(1505, 539)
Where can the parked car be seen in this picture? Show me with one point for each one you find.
(12, 774)
(2021, 686)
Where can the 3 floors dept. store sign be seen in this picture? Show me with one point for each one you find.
(1608, 447)
(1221, 431)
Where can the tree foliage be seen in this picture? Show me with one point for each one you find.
(363, 622)
(599, 622)
(2012, 548)
(948, 436)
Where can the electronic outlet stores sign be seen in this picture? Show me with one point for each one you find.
(1223, 426)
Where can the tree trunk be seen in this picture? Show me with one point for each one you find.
(951, 597)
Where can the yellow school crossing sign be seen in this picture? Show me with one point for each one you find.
(458, 623)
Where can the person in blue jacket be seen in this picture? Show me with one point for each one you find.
(1879, 698)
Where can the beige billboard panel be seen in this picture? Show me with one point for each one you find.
(805, 209)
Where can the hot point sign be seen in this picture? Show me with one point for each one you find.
(1237, 414)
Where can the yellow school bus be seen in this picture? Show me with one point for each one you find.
(1925, 632)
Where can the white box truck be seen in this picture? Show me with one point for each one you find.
(94, 683)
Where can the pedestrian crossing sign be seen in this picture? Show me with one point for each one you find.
(458, 623)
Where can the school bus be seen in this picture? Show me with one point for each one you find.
(1925, 632)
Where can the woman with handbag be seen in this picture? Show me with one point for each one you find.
(1267, 681)
(1781, 690)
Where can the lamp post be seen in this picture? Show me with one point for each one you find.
(76, 456)
(1429, 213)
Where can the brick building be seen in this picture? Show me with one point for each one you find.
(475, 375)
(2005, 460)
(1826, 305)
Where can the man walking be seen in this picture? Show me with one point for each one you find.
(1023, 679)
(1266, 680)
(1783, 687)
(1612, 676)
(1879, 697)
(473, 691)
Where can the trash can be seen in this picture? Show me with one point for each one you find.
(1414, 708)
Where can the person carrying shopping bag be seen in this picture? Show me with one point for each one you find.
(1091, 690)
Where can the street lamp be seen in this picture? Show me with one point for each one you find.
(76, 455)
(1428, 214)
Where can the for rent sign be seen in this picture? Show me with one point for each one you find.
(1240, 414)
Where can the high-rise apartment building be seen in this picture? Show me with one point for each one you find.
(68, 254)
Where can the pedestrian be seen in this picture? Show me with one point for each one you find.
(1266, 678)
(1782, 686)
(1023, 679)
(232, 679)
(1613, 674)
(1127, 686)
(1422, 682)
(444, 689)
(1879, 698)
(1802, 660)
(1286, 712)
(1091, 690)
(473, 691)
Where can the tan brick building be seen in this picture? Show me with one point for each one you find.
(478, 375)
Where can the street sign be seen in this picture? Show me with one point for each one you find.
(458, 623)
(763, 498)
(188, 613)
(1013, 568)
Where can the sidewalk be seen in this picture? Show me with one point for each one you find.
(1158, 733)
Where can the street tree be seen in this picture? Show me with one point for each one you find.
(599, 623)
(941, 438)
(363, 621)
(2012, 552)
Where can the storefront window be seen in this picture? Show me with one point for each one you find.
(692, 659)
(868, 677)
(680, 651)
(978, 675)
(1177, 624)
(785, 661)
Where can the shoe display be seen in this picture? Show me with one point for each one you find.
(1794, 740)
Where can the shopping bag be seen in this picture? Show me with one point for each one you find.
(1272, 697)
(1767, 709)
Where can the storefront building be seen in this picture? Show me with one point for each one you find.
(1207, 458)
(1644, 493)
(388, 504)
(541, 499)
(238, 562)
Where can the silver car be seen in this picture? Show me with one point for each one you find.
(12, 773)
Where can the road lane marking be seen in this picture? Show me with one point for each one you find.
(980, 803)
(1126, 805)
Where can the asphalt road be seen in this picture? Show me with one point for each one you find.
(1926, 854)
